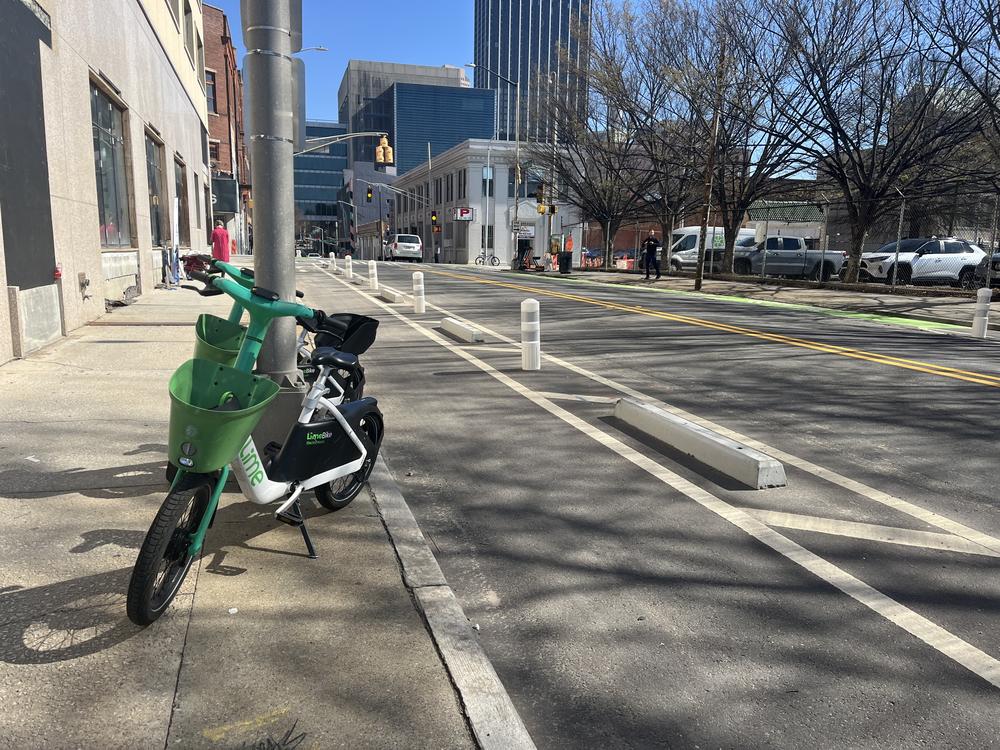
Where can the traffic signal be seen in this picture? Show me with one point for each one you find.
(383, 151)
(434, 218)
(540, 195)
(553, 209)
(541, 208)
(369, 194)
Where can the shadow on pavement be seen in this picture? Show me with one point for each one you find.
(82, 616)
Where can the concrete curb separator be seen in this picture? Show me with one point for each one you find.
(492, 717)
(461, 331)
(742, 463)
(391, 295)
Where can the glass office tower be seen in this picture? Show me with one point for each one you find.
(521, 40)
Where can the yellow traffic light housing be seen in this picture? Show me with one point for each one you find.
(383, 151)
(541, 208)
(540, 195)
(434, 218)
(553, 209)
(369, 195)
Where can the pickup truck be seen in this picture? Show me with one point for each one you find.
(786, 256)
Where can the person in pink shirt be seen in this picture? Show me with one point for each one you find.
(220, 243)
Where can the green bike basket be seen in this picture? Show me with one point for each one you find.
(217, 339)
(204, 437)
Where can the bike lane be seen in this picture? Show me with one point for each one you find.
(616, 610)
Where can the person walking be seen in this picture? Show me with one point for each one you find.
(651, 246)
(220, 243)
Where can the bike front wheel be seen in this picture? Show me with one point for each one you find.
(480, 260)
(339, 493)
(494, 260)
(164, 558)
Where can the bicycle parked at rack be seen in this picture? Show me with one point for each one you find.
(482, 259)
(331, 448)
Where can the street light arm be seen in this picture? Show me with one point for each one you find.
(330, 140)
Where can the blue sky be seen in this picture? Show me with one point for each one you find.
(422, 33)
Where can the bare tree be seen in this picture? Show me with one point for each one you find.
(885, 111)
(598, 163)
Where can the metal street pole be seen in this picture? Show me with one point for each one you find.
(381, 232)
(430, 204)
(993, 241)
(899, 237)
(267, 34)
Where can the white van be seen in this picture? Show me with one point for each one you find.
(684, 246)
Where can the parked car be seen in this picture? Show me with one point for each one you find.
(405, 247)
(684, 247)
(925, 260)
(790, 257)
(984, 264)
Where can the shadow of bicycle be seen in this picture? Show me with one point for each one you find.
(83, 616)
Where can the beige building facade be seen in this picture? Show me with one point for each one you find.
(103, 110)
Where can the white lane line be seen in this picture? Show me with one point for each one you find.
(578, 397)
(976, 661)
(883, 498)
(869, 531)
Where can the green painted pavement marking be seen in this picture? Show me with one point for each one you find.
(927, 325)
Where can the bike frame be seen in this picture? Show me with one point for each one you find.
(247, 466)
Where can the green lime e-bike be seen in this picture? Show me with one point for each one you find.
(215, 405)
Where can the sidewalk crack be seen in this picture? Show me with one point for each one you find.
(180, 664)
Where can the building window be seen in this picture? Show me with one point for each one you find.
(213, 153)
(175, 10)
(462, 176)
(197, 198)
(437, 191)
(488, 183)
(113, 196)
(210, 91)
(189, 31)
(487, 238)
(208, 214)
(158, 214)
(181, 193)
(449, 187)
(200, 58)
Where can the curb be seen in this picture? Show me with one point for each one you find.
(491, 714)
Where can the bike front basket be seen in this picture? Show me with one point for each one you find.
(213, 410)
(217, 339)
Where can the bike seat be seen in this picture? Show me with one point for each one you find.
(328, 356)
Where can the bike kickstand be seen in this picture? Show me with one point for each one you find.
(293, 517)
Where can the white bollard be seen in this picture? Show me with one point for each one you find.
(348, 271)
(419, 306)
(531, 336)
(372, 276)
(333, 261)
(981, 318)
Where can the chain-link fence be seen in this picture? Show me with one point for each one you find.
(943, 241)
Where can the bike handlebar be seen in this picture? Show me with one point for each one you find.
(243, 276)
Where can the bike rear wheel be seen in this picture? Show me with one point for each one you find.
(494, 260)
(163, 559)
(339, 493)
(480, 260)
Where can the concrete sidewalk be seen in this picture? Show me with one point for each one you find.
(263, 648)
(952, 310)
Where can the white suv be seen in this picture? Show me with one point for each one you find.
(405, 247)
(928, 260)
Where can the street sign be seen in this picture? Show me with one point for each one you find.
(463, 213)
(526, 232)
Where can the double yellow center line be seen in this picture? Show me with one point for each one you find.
(843, 351)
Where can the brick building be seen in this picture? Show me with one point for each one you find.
(226, 147)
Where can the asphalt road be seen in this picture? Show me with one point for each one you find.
(631, 598)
